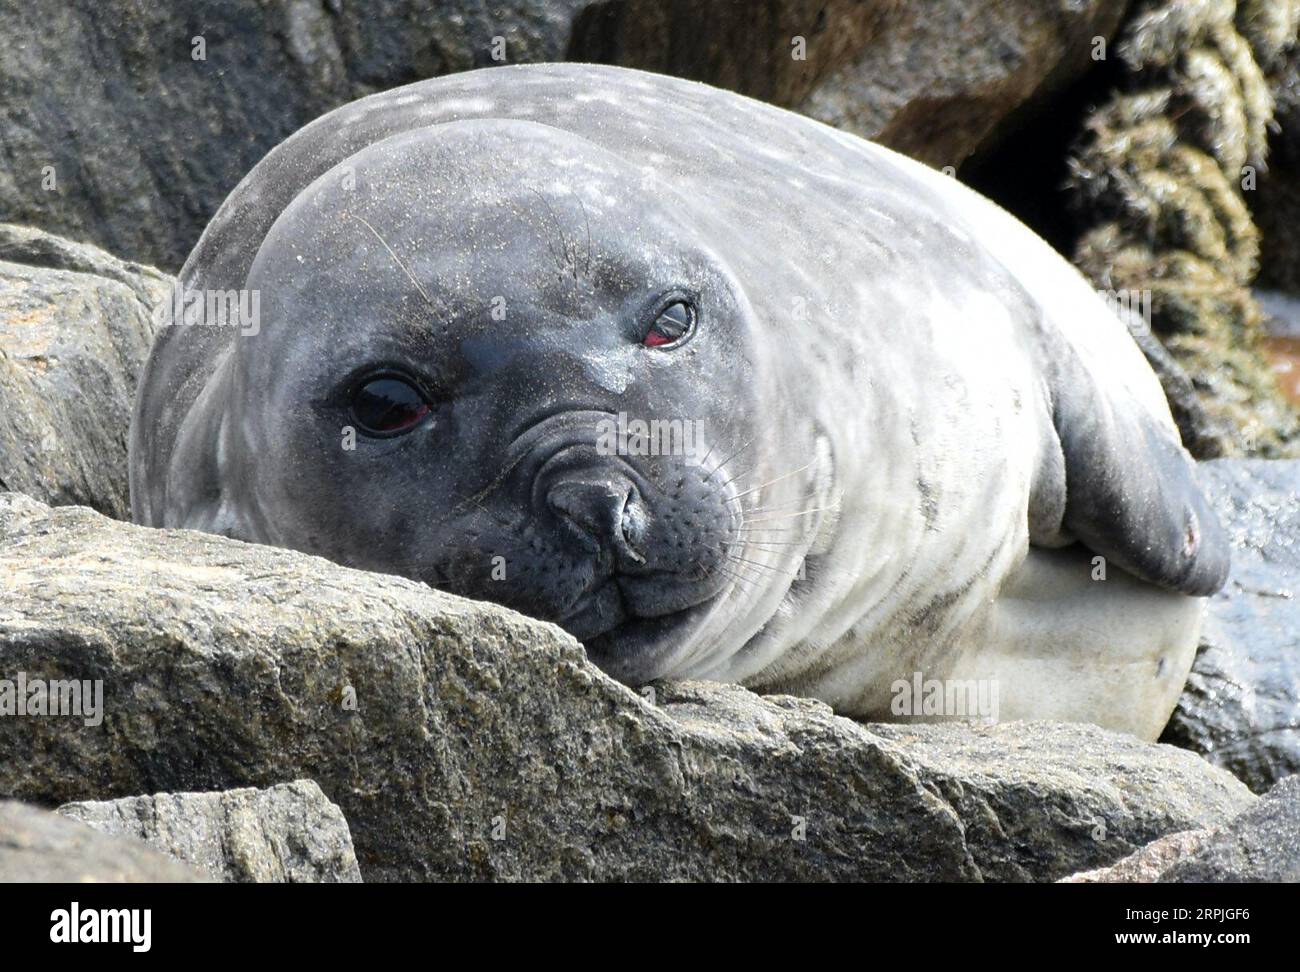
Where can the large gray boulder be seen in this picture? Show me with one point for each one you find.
(285, 834)
(463, 741)
(148, 114)
(37, 846)
(75, 329)
(1241, 707)
(136, 152)
(932, 78)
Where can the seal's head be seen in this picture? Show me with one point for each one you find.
(491, 358)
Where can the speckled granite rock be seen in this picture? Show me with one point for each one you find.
(284, 834)
(1144, 866)
(75, 330)
(1262, 844)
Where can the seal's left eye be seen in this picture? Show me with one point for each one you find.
(673, 325)
(388, 406)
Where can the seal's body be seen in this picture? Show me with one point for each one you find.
(922, 449)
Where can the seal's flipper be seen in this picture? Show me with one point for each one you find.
(1130, 488)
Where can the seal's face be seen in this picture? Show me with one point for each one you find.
(522, 388)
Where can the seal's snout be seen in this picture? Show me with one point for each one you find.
(604, 510)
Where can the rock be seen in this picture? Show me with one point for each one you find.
(285, 834)
(1262, 844)
(1144, 866)
(185, 102)
(1241, 707)
(75, 330)
(931, 79)
(39, 846)
(463, 741)
(998, 779)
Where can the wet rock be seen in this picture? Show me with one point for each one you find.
(1241, 707)
(285, 834)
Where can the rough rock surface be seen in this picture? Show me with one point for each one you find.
(285, 834)
(1144, 866)
(39, 846)
(149, 113)
(1241, 707)
(1262, 844)
(932, 79)
(75, 330)
(183, 99)
(464, 741)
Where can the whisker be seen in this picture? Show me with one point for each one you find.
(744, 472)
(732, 456)
(785, 505)
(749, 514)
(736, 578)
(707, 454)
(771, 481)
(820, 509)
(754, 563)
(587, 221)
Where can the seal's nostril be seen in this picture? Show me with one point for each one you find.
(593, 505)
(605, 509)
(632, 526)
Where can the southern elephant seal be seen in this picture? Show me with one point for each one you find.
(905, 440)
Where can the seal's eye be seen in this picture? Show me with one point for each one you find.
(388, 405)
(673, 325)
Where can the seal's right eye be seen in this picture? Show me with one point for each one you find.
(388, 405)
(671, 327)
